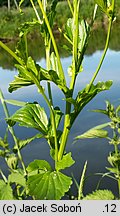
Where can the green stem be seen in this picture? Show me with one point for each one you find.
(80, 191)
(67, 123)
(103, 56)
(65, 132)
(12, 131)
(48, 68)
(53, 120)
(70, 6)
(37, 15)
(61, 74)
(11, 53)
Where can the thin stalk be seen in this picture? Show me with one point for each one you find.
(53, 120)
(70, 6)
(11, 53)
(48, 68)
(65, 132)
(80, 191)
(3, 176)
(37, 15)
(12, 131)
(26, 46)
(103, 56)
(53, 42)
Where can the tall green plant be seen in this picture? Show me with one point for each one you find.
(113, 137)
(50, 182)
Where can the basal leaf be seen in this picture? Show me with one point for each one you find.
(100, 195)
(5, 191)
(49, 185)
(31, 115)
(65, 162)
(93, 133)
(18, 178)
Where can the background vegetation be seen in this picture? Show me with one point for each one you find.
(11, 19)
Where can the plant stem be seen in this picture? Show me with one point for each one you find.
(80, 191)
(103, 56)
(65, 132)
(37, 15)
(67, 123)
(48, 68)
(70, 6)
(12, 131)
(11, 53)
(53, 120)
(61, 74)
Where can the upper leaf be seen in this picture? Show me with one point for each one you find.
(48, 185)
(93, 133)
(102, 4)
(65, 162)
(32, 115)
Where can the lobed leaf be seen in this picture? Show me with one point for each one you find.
(49, 185)
(65, 162)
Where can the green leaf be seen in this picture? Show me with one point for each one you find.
(5, 191)
(102, 4)
(83, 34)
(100, 195)
(31, 115)
(65, 162)
(2, 153)
(3, 144)
(16, 102)
(84, 96)
(23, 143)
(100, 111)
(93, 133)
(28, 74)
(21, 48)
(69, 29)
(17, 178)
(12, 161)
(38, 166)
(49, 185)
